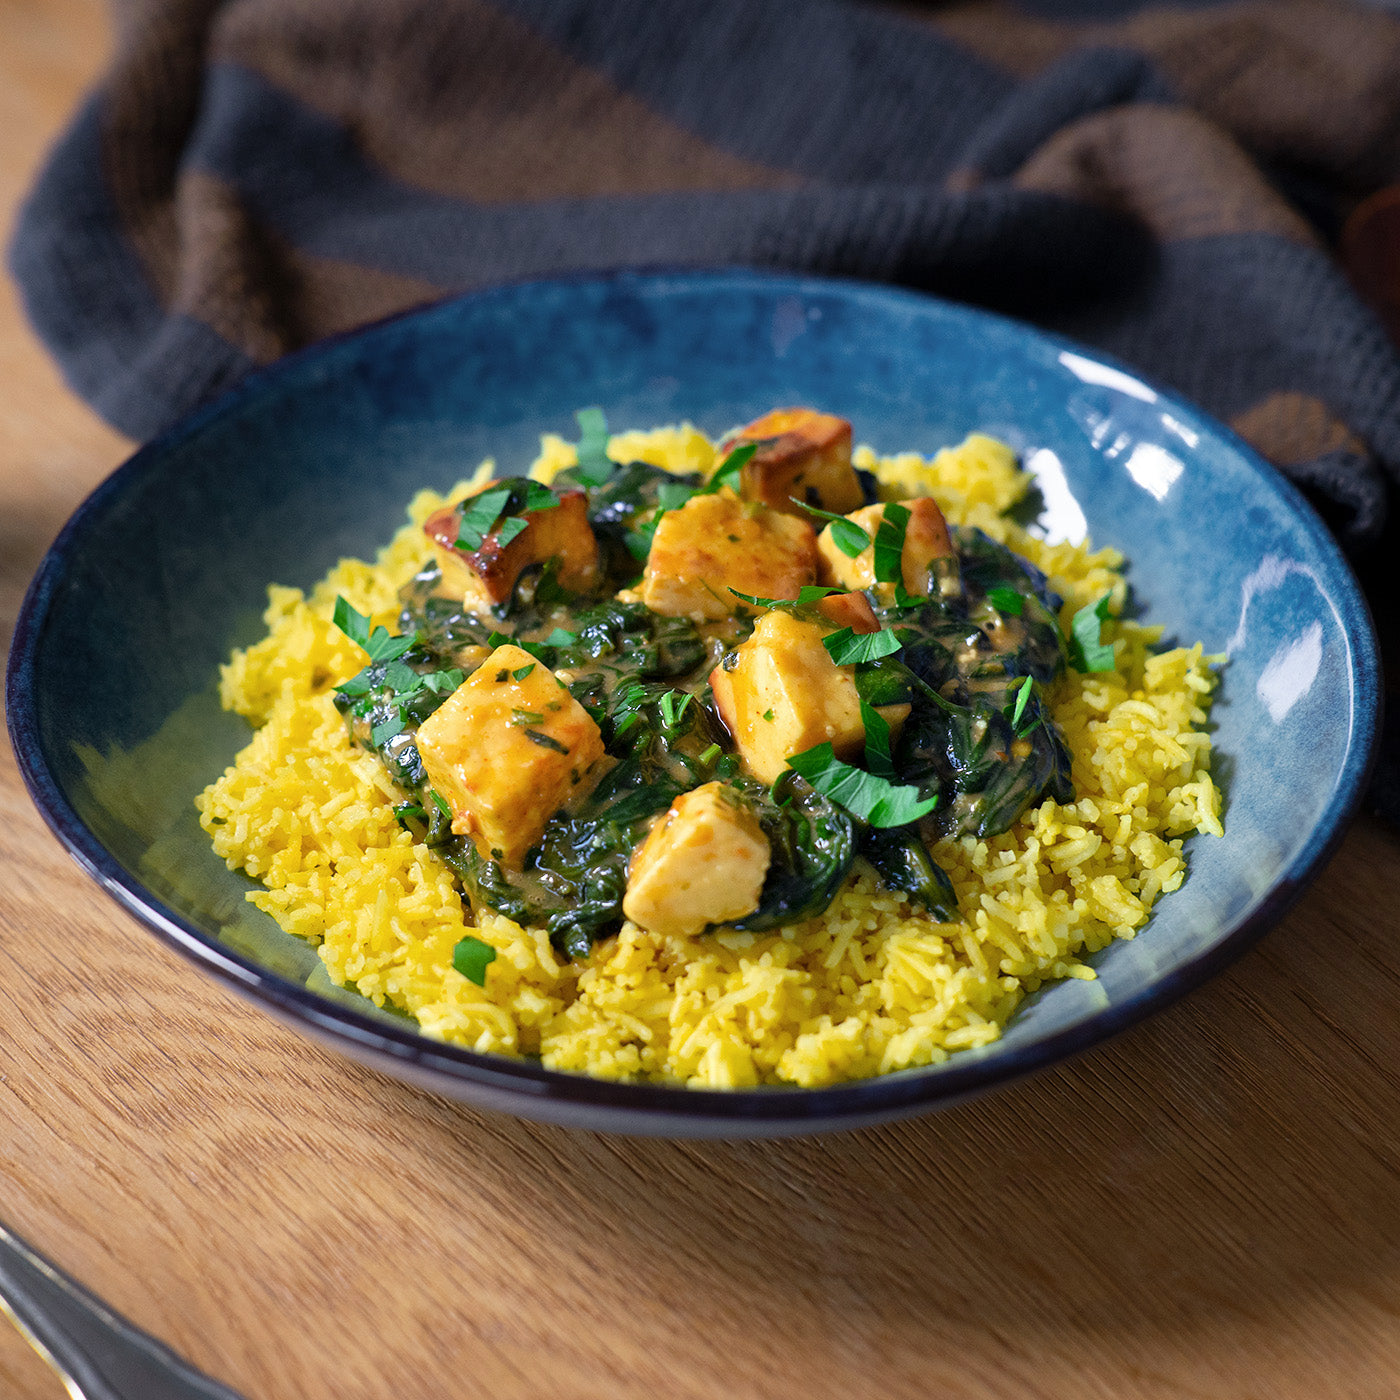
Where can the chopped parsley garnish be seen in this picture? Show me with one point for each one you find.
(768, 715)
(1086, 651)
(500, 639)
(1006, 600)
(524, 671)
(807, 594)
(471, 957)
(401, 678)
(1023, 695)
(390, 729)
(594, 464)
(379, 643)
(730, 470)
(672, 495)
(868, 796)
(638, 541)
(877, 741)
(847, 536)
(889, 543)
(478, 516)
(545, 741)
(443, 682)
(849, 647)
(510, 527)
(481, 513)
(560, 638)
(526, 717)
(440, 802)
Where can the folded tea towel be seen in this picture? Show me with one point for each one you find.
(1178, 185)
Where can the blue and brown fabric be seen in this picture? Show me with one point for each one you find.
(1182, 186)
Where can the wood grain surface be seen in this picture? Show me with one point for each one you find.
(1208, 1206)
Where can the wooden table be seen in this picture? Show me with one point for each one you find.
(1208, 1206)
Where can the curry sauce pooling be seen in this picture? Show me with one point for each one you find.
(634, 694)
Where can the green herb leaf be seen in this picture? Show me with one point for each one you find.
(471, 957)
(847, 536)
(354, 624)
(356, 685)
(560, 638)
(849, 648)
(1006, 600)
(382, 733)
(545, 741)
(521, 717)
(672, 495)
(868, 796)
(638, 541)
(594, 464)
(889, 543)
(709, 755)
(538, 496)
(401, 678)
(440, 802)
(1086, 651)
(380, 644)
(510, 528)
(807, 594)
(877, 741)
(443, 682)
(768, 715)
(404, 810)
(1023, 695)
(730, 470)
(479, 515)
(521, 672)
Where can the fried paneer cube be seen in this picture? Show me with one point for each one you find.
(926, 541)
(802, 454)
(784, 694)
(703, 863)
(506, 750)
(485, 578)
(851, 610)
(716, 543)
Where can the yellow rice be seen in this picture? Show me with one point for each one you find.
(868, 987)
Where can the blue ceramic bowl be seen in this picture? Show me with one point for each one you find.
(111, 688)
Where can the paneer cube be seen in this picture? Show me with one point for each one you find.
(508, 748)
(485, 578)
(802, 454)
(716, 543)
(703, 863)
(785, 694)
(851, 610)
(926, 540)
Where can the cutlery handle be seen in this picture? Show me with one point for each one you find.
(100, 1355)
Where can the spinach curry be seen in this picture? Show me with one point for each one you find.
(632, 694)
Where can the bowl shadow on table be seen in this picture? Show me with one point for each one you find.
(1233, 1154)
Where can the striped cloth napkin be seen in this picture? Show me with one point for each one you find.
(1199, 189)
